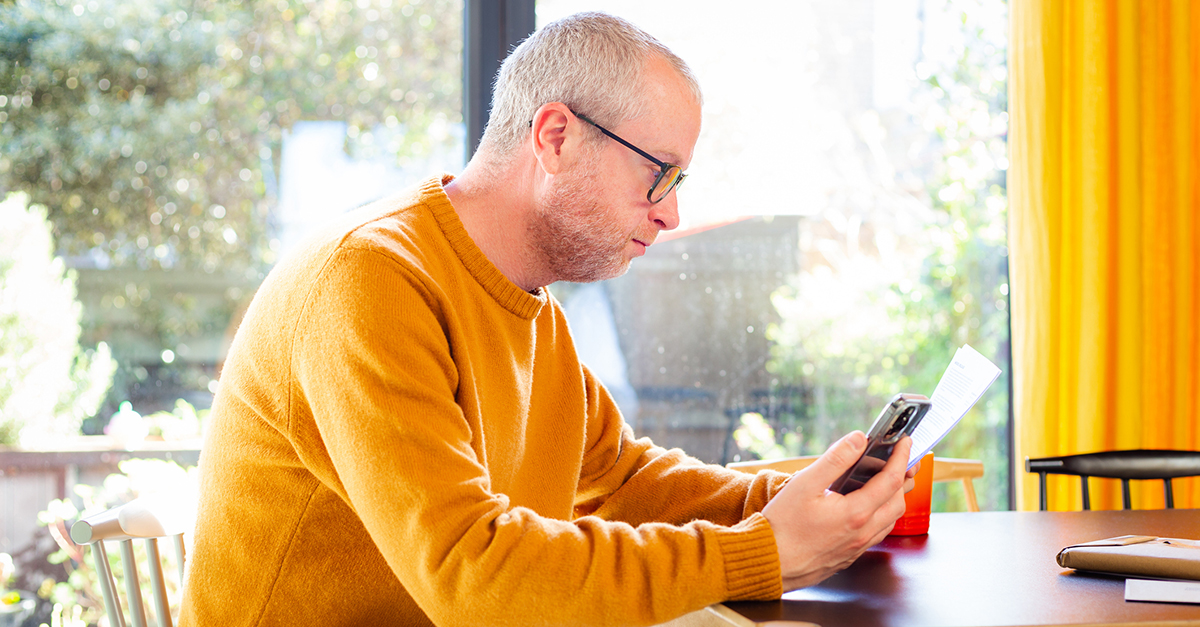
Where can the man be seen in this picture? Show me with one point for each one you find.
(404, 434)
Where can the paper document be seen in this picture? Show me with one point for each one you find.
(1162, 591)
(965, 380)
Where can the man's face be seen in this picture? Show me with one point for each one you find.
(595, 219)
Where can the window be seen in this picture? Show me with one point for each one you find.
(844, 230)
(179, 147)
(844, 223)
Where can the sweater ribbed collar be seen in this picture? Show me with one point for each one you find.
(506, 293)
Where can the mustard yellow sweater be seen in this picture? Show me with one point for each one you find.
(402, 436)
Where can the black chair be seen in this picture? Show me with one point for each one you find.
(1124, 465)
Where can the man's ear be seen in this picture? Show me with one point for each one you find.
(556, 136)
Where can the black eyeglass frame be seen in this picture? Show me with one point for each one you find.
(663, 167)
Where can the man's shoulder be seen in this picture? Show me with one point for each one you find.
(400, 230)
(405, 222)
(405, 227)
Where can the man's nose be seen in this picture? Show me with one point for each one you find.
(665, 213)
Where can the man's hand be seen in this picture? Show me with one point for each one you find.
(818, 532)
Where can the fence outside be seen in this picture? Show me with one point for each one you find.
(30, 479)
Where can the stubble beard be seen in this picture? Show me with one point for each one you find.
(576, 234)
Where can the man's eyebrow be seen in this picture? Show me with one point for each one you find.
(666, 156)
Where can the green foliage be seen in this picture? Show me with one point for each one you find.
(755, 434)
(48, 384)
(873, 331)
(181, 423)
(77, 598)
(151, 130)
(15, 605)
(7, 571)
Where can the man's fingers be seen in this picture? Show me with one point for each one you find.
(883, 533)
(901, 453)
(890, 479)
(837, 459)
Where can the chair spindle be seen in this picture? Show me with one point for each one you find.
(107, 585)
(158, 587)
(177, 541)
(133, 589)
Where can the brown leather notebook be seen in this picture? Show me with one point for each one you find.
(1141, 556)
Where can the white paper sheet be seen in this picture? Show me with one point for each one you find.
(966, 379)
(1158, 591)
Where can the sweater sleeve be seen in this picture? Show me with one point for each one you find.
(374, 368)
(634, 481)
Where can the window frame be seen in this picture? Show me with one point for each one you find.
(491, 29)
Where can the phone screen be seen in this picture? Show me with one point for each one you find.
(899, 418)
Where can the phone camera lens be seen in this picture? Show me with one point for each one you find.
(901, 422)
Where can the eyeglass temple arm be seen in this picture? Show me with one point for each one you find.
(661, 164)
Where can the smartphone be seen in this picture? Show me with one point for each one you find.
(899, 418)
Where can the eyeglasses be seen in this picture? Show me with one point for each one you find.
(669, 177)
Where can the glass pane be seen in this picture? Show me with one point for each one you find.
(844, 228)
(179, 148)
(664, 184)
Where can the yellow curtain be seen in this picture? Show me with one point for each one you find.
(1104, 236)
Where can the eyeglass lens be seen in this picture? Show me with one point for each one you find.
(667, 180)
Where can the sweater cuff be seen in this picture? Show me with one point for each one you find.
(752, 570)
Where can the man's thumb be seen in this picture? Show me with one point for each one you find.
(839, 458)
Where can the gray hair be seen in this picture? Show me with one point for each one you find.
(592, 62)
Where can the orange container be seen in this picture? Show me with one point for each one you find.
(915, 521)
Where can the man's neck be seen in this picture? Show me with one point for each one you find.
(492, 203)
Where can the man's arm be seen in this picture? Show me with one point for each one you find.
(388, 436)
(632, 480)
(817, 532)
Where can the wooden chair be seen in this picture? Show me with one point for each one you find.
(1141, 464)
(944, 469)
(142, 518)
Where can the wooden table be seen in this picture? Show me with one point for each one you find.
(986, 569)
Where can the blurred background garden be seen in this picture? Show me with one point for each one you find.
(844, 224)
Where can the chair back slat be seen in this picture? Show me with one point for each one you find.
(1131, 464)
(1140, 464)
(944, 469)
(145, 518)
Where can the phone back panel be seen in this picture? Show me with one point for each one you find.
(899, 418)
